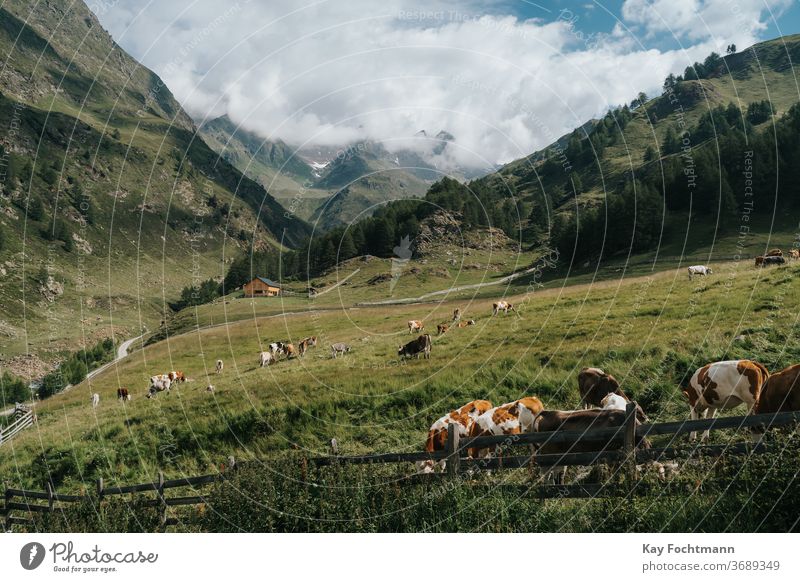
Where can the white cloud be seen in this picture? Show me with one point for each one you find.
(721, 21)
(334, 73)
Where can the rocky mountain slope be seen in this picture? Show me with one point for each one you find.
(105, 187)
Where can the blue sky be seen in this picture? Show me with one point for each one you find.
(504, 77)
(600, 17)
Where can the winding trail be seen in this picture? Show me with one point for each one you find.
(122, 353)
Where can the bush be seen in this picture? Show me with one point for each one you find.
(111, 516)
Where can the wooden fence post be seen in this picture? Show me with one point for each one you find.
(49, 488)
(162, 506)
(453, 459)
(99, 489)
(629, 446)
(8, 497)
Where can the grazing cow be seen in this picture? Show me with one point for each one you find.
(699, 270)
(122, 394)
(613, 401)
(176, 376)
(219, 366)
(415, 325)
(95, 400)
(339, 348)
(442, 328)
(159, 383)
(276, 348)
(723, 385)
(265, 359)
(421, 345)
(503, 306)
(456, 315)
(594, 384)
(305, 343)
(794, 254)
(781, 392)
(508, 419)
(759, 261)
(774, 253)
(583, 421)
(289, 350)
(463, 418)
(774, 260)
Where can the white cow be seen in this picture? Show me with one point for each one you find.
(699, 270)
(415, 325)
(339, 348)
(503, 306)
(266, 359)
(219, 366)
(95, 400)
(159, 383)
(613, 401)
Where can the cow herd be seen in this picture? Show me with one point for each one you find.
(772, 257)
(713, 387)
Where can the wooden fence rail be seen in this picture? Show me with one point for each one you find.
(24, 417)
(616, 445)
(26, 501)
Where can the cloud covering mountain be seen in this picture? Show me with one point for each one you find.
(504, 83)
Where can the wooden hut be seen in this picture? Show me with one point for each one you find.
(261, 287)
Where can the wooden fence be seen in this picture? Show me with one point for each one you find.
(617, 445)
(21, 500)
(23, 418)
(614, 446)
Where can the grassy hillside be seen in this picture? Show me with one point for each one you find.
(648, 330)
(108, 195)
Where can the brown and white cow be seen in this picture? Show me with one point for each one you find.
(306, 343)
(442, 328)
(176, 376)
(417, 347)
(794, 254)
(289, 350)
(503, 306)
(583, 421)
(781, 392)
(722, 386)
(759, 261)
(463, 418)
(594, 384)
(415, 325)
(774, 253)
(123, 394)
(219, 366)
(507, 419)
